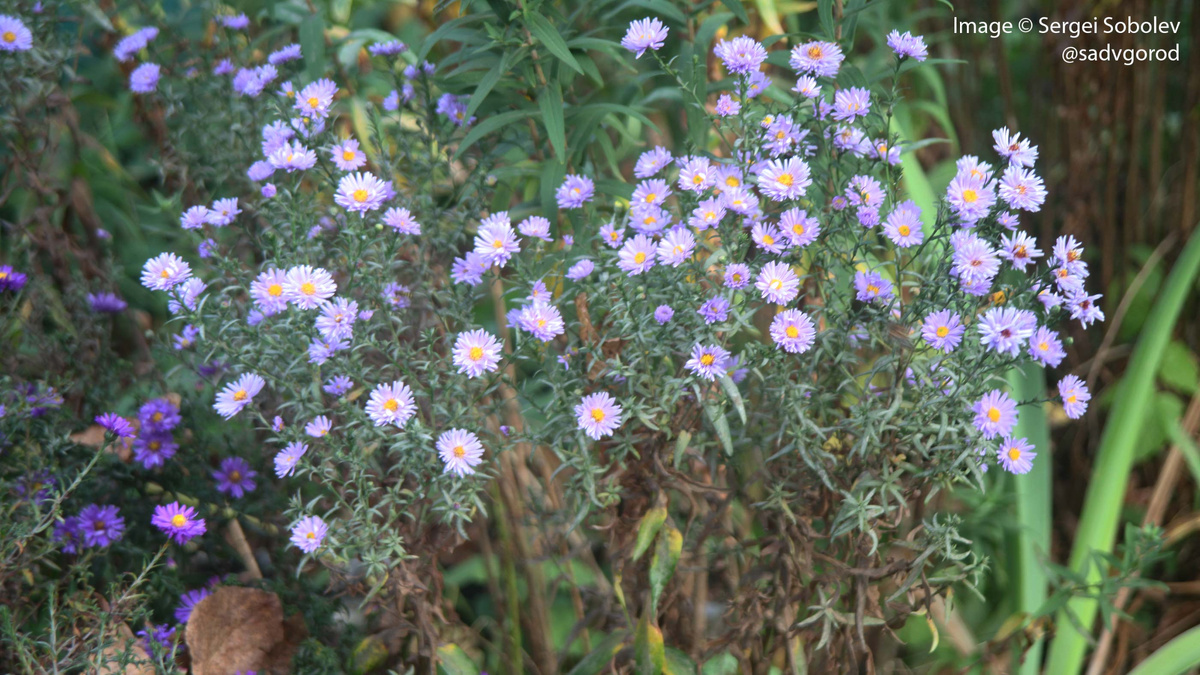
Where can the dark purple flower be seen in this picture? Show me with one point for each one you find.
(158, 415)
(178, 522)
(100, 525)
(106, 302)
(188, 601)
(235, 477)
(116, 424)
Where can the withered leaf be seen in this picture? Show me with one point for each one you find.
(241, 629)
(110, 656)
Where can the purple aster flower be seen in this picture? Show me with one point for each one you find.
(116, 425)
(535, 226)
(903, 225)
(223, 67)
(284, 54)
(336, 321)
(268, 190)
(793, 331)
(611, 235)
(238, 394)
(223, 212)
(781, 134)
(69, 534)
(186, 296)
(347, 156)
(756, 83)
(105, 302)
(159, 414)
(1006, 329)
(1022, 189)
(971, 197)
(235, 22)
(318, 427)
(907, 45)
(995, 414)
(663, 314)
(648, 218)
(309, 533)
(194, 218)
(729, 176)
(737, 275)
(307, 287)
(258, 171)
(321, 350)
(1016, 455)
(154, 449)
(806, 86)
(391, 404)
(188, 602)
(778, 283)
(186, 338)
(178, 522)
(293, 157)
(882, 151)
(1084, 308)
(542, 319)
(650, 192)
(496, 241)
(696, 174)
(100, 525)
(714, 310)
(391, 102)
(871, 286)
(469, 268)
(454, 107)
(741, 55)
(645, 34)
(287, 459)
(943, 330)
(636, 255)
(360, 192)
(975, 261)
(575, 192)
(338, 385)
(822, 59)
(160, 273)
(727, 107)
(865, 192)
(652, 161)
(206, 248)
(316, 99)
(476, 352)
(1019, 249)
(676, 247)
(144, 78)
(460, 451)
(768, 237)
(800, 228)
(784, 179)
(598, 415)
(1008, 220)
(157, 641)
(235, 477)
(708, 361)
(851, 103)
(267, 291)
(707, 214)
(580, 269)
(397, 295)
(1045, 347)
(125, 49)
(1012, 147)
(389, 48)
(1075, 396)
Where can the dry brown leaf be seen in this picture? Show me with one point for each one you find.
(241, 629)
(93, 436)
(110, 656)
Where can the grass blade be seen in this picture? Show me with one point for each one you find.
(1174, 658)
(1106, 491)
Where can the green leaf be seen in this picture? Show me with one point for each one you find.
(717, 417)
(662, 565)
(548, 35)
(681, 445)
(1174, 658)
(1105, 496)
(708, 29)
(452, 661)
(486, 83)
(738, 9)
(490, 124)
(651, 523)
(1187, 448)
(731, 390)
(446, 29)
(340, 10)
(596, 660)
(312, 45)
(648, 647)
(825, 12)
(551, 104)
(678, 663)
(1179, 370)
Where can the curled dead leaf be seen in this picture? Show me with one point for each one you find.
(112, 655)
(242, 629)
(93, 436)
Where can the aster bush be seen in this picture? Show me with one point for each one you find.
(738, 366)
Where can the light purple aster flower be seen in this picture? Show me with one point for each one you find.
(648, 33)
(612, 235)
(258, 171)
(806, 86)
(157, 415)
(756, 83)
(598, 415)
(206, 248)
(397, 295)
(663, 314)
(115, 424)
(1016, 455)
(727, 107)
(778, 283)
(708, 361)
(496, 241)
(800, 228)
(1045, 347)
(636, 255)
(707, 214)
(676, 247)
(476, 352)
(126, 47)
(188, 602)
(1069, 253)
(580, 269)
(267, 291)
(871, 286)
(882, 151)
(741, 55)
(768, 237)
(822, 59)
(652, 161)
(1008, 220)
(865, 191)
(100, 525)
(163, 272)
(389, 48)
(542, 319)
(316, 98)
(194, 218)
(851, 103)
(186, 338)
(186, 296)
(535, 226)
(1019, 249)
(284, 54)
(106, 302)
(391, 102)
(307, 287)
(1084, 308)
(238, 394)
(178, 522)
(318, 427)
(1012, 147)
(995, 414)
(971, 197)
(322, 349)
(696, 174)
(338, 385)
(793, 331)
(575, 191)
(650, 192)
(784, 179)
(235, 22)
(454, 107)
(222, 212)
(157, 641)
(1075, 396)
(360, 192)
(714, 310)
(154, 449)
(391, 404)
(287, 459)
(234, 477)
(309, 534)
(903, 225)
(648, 218)
(1022, 189)
(401, 220)
(1006, 329)
(336, 321)
(223, 67)
(943, 330)
(347, 156)
(144, 78)
(737, 275)
(460, 451)
(469, 269)
(974, 258)
(907, 45)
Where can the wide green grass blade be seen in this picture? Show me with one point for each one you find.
(1175, 658)
(1034, 508)
(1106, 492)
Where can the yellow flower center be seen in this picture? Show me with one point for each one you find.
(348, 155)
(969, 196)
(10, 36)
(165, 274)
(1014, 454)
(798, 228)
(1019, 252)
(179, 520)
(613, 236)
(1072, 255)
(993, 414)
(814, 52)
(360, 195)
(311, 535)
(598, 414)
(235, 476)
(459, 451)
(737, 278)
(733, 181)
(651, 197)
(792, 332)
(240, 395)
(1072, 398)
(157, 417)
(541, 323)
(776, 284)
(768, 239)
(707, 359)
(710, 215)
(639, 257)
(903, 230)
(1044, 346)
(308, 288)
(3, 275)
(943, 331)
(698, 179)
(786, 179)
(155, 445)
(476, 353)
(275, 290)
(313, 101)
(391, 405)
(780, 135)
(872, 288)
